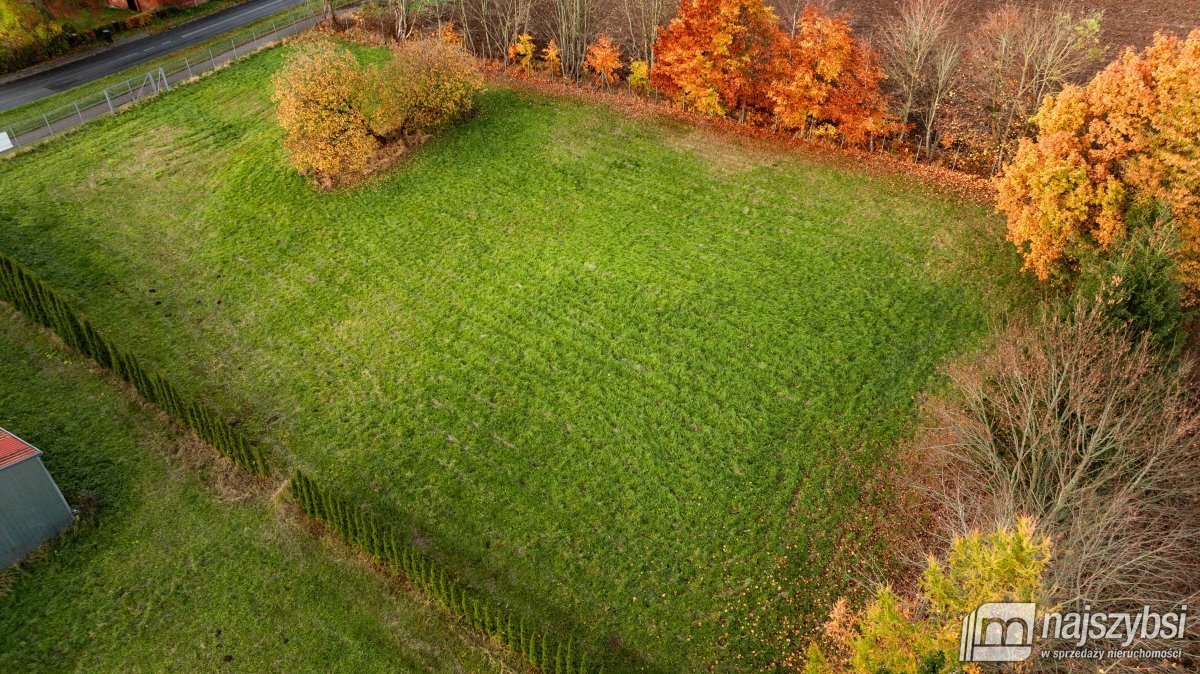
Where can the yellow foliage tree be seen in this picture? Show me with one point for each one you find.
(1130, 137)
(522, 52)
(319, 94)
(639, 76)
(552, 58)
(922, 634)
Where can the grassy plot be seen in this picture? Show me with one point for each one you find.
(165, 572)
(618, 374)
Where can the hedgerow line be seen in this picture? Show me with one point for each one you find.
(46, 306)
(386, 545)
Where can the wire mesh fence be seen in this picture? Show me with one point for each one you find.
(183, 65)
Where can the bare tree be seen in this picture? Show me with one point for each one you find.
(1086, 429)
(572, 29)
(942, 78)
(404, 14)
(790, 11)
(913, 47)
(641, 20)
(489, 26)
(1019, 56)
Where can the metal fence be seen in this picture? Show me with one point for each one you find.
(183, 65)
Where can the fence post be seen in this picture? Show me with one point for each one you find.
(162, 75)
(13, 134)
(108, 100)
(76, 104)
(189, 66)
(211, 57)
(273, 28)
(48, 127)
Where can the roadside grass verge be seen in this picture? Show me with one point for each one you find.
(178, 563)
(630, 380)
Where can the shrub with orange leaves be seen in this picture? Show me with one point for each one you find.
(829, 82)
(718, 56)
(1130, 137)
(450, 34)
(522, 52)
(552, 58)
(603, 58)
(319, 97)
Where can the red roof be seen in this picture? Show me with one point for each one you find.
(14, 450)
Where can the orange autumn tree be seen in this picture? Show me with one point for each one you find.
(829, 82)
(1130, 137)
(604, 59)
(718, 56)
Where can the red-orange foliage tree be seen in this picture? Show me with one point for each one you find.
(718, 56)
(728, 56)
(829, 82)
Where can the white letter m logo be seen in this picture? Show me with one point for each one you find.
(998, 632)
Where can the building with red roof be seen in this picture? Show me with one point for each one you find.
(32, 509)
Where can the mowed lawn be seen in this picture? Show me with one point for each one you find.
(620, 374)
(171, 568)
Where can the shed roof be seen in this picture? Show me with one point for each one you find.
(14, 450)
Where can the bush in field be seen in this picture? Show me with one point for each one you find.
(893, 633)
(426, 85)
(339, 115)
(1129, 138)
(319, 97)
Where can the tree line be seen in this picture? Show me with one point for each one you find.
(926, 80)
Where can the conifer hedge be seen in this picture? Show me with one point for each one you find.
(389, 546)
(46, 306)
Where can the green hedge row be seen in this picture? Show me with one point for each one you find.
(46, 306)
(362, 529)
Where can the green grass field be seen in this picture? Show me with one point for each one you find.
(619, 373)
(166, 571)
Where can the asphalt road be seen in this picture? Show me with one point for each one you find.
(141, 50)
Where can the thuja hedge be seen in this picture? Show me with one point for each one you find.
(44, 305)
(361, 528)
